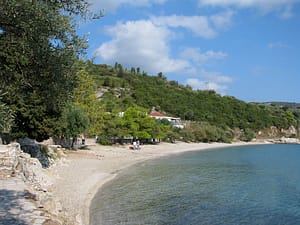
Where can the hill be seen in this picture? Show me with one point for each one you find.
(285, 105)
(120, 88)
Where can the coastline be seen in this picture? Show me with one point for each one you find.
(82, 173)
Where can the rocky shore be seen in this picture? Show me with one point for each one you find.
(284, 140)
(23, 189)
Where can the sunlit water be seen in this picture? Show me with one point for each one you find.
(240, 185)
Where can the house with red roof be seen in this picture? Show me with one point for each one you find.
(175, 121)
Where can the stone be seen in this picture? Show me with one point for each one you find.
(23, 189)
(35, 150)
(8, 160)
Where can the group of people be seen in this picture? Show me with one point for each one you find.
(136, 145)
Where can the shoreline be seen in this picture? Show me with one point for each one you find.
(82, 173)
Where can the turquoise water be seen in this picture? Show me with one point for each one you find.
(253, 185)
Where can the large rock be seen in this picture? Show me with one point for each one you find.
(9, 160)
(32, 171)
(29, 146)
(13, 162)
(285, 140)
(24, 186)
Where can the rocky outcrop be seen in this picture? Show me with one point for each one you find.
(285, 140)
(276, 133)
(14, 162)
(9, 160)
(35, 150)
(24, 182)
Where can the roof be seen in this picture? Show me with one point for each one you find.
(157, 114)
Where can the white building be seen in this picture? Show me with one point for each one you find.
(175, 121)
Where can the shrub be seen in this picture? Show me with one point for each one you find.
(247, 135)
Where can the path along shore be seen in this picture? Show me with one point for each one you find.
(77, 180)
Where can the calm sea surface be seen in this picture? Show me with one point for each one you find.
(240, 185)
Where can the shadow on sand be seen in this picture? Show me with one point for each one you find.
(11, 207)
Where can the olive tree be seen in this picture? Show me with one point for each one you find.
(39, 50)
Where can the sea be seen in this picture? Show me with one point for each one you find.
(251, 185)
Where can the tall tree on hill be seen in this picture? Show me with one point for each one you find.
(39, 48)
(85, 98)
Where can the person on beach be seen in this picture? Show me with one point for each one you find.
(83, 140)
(138, 145)
(134, 145)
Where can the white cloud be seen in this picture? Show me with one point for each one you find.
(222, 20)
(210, 81)
(112, 5)
(287, 12)
(202, 26)
(197, 84)
(277, 44)
(284, 7)
(145, 43)
(249, 3)
(199, 25)
(216, 77)
(197, 56)
(140, 44)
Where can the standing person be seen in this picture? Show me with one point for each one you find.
(83, 140)
(138, 145)
(134, 145)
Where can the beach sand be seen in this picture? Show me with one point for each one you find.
(78, 177)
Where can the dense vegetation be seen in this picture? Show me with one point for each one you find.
(122, 88)
(39, 51)
(47, 90)
(6, 117)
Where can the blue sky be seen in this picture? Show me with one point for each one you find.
(249, 49)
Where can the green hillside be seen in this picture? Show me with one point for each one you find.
(123, 88)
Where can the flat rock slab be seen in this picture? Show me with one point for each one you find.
(17, 205)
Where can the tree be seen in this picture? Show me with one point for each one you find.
(73, 122)
(290, 117)
(6, 121)
(161, 76)
(138, 124)
(130, 122)
(134, 123)
(132, 70)
(247, 135)
(6, 116)
(120, 70)
(85, 98)
(112, 128)
(39, 49)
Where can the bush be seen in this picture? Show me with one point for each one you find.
(104, 140)
(204, 132)
(247, 135)
(6, 117)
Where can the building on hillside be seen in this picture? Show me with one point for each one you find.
(175, 121)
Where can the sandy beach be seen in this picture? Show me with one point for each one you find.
(78, 177)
